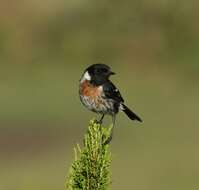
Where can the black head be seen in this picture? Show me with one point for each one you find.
(99, 73)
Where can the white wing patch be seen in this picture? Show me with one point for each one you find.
(121, 107)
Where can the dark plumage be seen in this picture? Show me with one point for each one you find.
(100, 95)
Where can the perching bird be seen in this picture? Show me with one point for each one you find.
(99, 94)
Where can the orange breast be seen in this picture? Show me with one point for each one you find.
(89, 90)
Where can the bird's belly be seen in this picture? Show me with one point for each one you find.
(98, 105)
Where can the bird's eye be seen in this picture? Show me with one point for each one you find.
(101, 70)
(104, 70)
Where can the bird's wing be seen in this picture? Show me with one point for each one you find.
(112, 92)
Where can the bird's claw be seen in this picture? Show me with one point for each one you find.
(108, 140)
(98, 122)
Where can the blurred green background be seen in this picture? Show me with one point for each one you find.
(151, 45)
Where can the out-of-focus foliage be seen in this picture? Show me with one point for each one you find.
(81, 31)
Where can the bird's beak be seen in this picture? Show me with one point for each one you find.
(112, 73)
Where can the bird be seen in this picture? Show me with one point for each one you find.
(98, 94)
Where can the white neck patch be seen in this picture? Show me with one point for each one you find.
(86, 76)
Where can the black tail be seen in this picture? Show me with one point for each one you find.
(129, 113)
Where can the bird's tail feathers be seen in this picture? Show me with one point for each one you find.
(129, 113)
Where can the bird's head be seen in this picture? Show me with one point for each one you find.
(97, 73)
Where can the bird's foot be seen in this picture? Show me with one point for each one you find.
(98, 121)
(107, 140)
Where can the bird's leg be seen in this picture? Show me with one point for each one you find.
(111, 134)
(101, 119)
